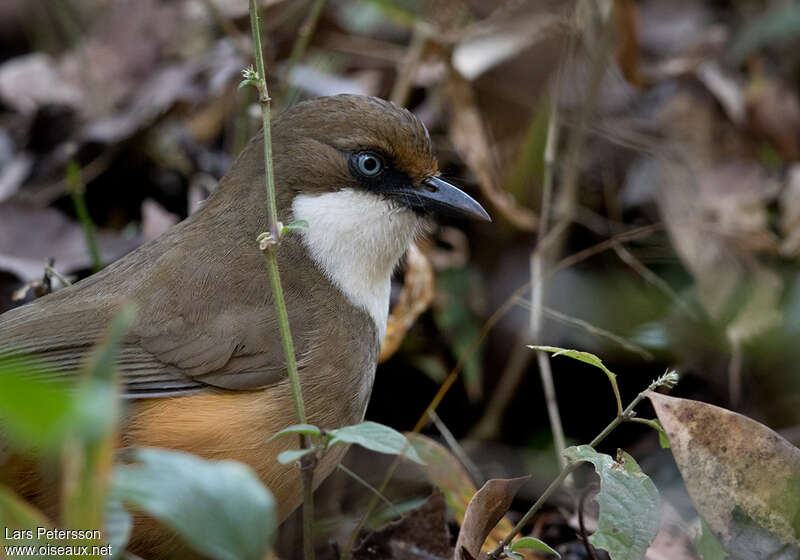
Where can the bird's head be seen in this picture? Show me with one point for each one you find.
(361, 172)
(360, 145)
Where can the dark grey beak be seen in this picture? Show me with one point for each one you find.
(439, 196)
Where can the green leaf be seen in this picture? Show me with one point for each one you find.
(584, 357)
(532, 543)
(707, 545)
(292, 455)
(219, 508)
(305, 429)
(297, 224)
(16, 513)
(19, 519)
(102, 361)
(247, 82)
(117, 525)
(33, 414)
(90, 446)
(629, 504)
(41, 414)
(376, 437)
(663, 440)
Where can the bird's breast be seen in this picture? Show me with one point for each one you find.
(357, 238)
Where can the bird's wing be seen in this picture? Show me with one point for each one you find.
(235, 346)
(61, 337)
(205, 312)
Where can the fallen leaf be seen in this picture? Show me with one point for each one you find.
(743, 478)
(486, 508)
(486, 45)
(470, 139)
(29, 236)
(627, 50)
(445, 472)
(156, 219)
(14, 173)
(30, 81)
(716, 216)
(317, 82)
(725, 86)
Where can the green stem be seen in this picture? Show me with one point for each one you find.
(286, 335)
(652, 423)
(76, 191)
(268, 247)
(307, 475)
(264, 101)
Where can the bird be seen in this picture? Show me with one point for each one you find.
(202, 368)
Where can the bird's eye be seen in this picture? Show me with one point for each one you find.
(369, 164)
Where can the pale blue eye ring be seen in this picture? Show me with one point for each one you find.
(369, 164)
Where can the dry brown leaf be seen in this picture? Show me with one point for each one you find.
(486, 508)
(717, 215)
(156, 219)
(469, 137)
(488, 44)
(13, 173)
(725, 86)
(447, 474)
(30, 236)
(743, 478)
(627, 54)
(416, 297)
(30, 81)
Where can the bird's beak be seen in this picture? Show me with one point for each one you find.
(437, 195)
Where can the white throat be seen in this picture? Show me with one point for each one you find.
(357, 238)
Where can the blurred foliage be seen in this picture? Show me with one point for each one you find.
(220, 508)
(457, 321)
(779, 25)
